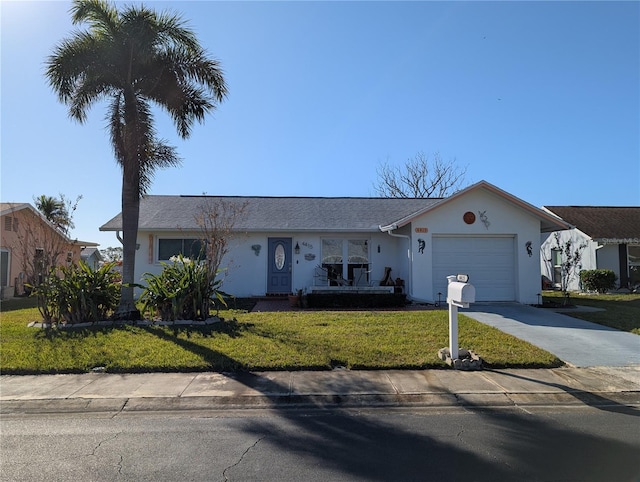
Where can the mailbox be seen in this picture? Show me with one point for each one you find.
(461, 294)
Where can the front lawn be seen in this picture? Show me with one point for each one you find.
(621, 310)
(300, 340)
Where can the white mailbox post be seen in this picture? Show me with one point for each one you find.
(459, 294)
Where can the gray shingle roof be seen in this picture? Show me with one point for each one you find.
(601, 222)
(88, 252)
(168, 213)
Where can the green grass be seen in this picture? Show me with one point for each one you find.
(622, 311)
(309, 340)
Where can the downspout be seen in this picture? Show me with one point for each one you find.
(122, 242)
(388, 230)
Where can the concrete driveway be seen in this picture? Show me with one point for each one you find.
(576, 342)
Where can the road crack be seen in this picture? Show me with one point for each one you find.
(252, 446)
(95, 449)
(120, 462)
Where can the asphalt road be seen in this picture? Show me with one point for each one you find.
(578, 443)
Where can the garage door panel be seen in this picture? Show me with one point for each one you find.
(489, 262)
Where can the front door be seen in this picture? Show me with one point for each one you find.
(279, 266)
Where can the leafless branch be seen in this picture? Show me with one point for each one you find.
(420, 178)
(217, 220)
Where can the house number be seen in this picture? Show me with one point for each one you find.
(422, 230)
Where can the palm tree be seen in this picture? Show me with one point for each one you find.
(52, 209)
(135, 58)
(57, 211)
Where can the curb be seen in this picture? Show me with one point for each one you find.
(620, 400)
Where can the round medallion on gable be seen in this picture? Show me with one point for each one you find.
(469, 217)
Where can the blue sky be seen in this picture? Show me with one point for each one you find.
(538, 98)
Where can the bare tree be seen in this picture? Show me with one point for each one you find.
(42, 246)
(217, 220)
(420, 177)
(570, 263)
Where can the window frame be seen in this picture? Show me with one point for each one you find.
(182, 239)
(556, 269)
(7, 268)
(341, 270)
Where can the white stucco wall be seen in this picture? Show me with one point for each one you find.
(504, 218)
(245, 272)
(608, 257)
(588, 260)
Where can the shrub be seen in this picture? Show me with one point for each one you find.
(600, 280)
(356, 300)
(183, 290)
(78, 294)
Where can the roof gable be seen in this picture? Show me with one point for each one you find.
(602, 222)
(548, 222)
(11, 208)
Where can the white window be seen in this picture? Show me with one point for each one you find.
(355, 271)
(556, 262)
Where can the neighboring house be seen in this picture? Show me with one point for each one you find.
(284, 244)
(91, 255)
(611, 236)
(27, 243)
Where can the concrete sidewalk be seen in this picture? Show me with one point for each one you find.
(103, 392)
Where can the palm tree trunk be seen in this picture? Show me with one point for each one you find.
(130, 214)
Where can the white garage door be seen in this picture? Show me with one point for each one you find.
(489, 262)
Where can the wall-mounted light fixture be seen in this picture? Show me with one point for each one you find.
(378, 248)
(297, 248)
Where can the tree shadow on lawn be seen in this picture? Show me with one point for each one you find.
(231, 328)
(18, 303)
(215, 360)
(365, 446)
(172, 333)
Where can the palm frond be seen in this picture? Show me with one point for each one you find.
(102, 16)
(115, 122)
(135, 56)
